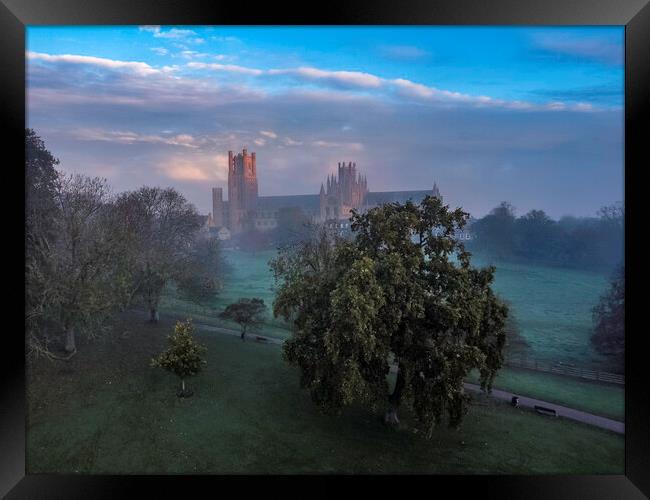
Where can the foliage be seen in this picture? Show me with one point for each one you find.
(587, 242)
(609, 318)
(73, 253)
(41, 185)
(89, 253)
(203, 273)
(248, 313)
(183, 357)
(393, 293)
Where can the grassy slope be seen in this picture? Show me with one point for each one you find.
(107, 412)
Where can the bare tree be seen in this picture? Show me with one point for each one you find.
(161, 227)
(78, 281)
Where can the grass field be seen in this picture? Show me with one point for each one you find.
(552, 308)
(107, 411)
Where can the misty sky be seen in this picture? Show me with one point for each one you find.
(533, 116)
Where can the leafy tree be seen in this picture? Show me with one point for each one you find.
(401, 292)
(495, 232)
(183, 356)
(248, 313)
(203, 273)
(535, 236)
(41, 185)
(609, 318)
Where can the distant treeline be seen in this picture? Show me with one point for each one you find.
(585, 242)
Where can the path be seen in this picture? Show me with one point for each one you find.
(524, 401)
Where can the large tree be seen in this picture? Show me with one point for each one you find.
(81, 275)
(73, 253)
(41, 185)
(494, 233)
(162, 228)
(402, 293)
(203, 272)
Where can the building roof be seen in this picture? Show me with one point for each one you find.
(308, 201)
(312, 201)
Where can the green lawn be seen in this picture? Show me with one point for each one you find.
(107, 411)
(607, 400)
(551, 306)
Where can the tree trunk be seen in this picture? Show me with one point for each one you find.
(394, 400)
(243, 334)
(183, 385)
(153, 315)
(70, 344)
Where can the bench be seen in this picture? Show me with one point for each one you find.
(545, 411)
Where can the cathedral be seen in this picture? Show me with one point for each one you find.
(343, 192)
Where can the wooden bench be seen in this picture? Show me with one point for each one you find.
(545, 411)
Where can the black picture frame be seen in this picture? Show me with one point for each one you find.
(633, 14)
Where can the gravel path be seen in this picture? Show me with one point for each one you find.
(524, 401)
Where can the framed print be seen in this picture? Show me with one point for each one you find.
(367, 241)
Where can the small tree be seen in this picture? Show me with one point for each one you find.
(183, 356)
(247, 312)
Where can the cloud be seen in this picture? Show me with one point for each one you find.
(288, 141)
(140, 68)
(161, 51)
(259, 141)
(233, 68)
(173, 33)
(128, 137)
(594, 48)
(191, 54)
(55, 81)
(341, 80)
(351, 146)
(199, 168)
(367, 81)
(269, 133)
(344, 78)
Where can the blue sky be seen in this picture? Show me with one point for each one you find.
(530, 115)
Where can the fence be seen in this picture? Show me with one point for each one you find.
(570, 371)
